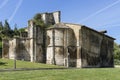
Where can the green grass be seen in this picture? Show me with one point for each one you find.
(8, 64)
(68, 74)
(65, 74)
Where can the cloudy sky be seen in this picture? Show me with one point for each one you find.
(97, 14)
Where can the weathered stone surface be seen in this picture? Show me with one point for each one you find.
(63, 44)
(82, 46)
(5, 48)
(97, 49)
(51, 18)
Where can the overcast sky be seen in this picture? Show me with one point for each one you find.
(97, 14)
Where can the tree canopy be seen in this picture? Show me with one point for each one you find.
(7, 32)
(116, 53)
(1, 26)
(38, 20)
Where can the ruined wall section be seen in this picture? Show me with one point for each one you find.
(5, 48)
(75, 49)
(51, 18)
(16, 48)
(106, 52)
(39, 44)
(61, 46)
(55, 46)
(95, 48)
(22, 49)
(36, 42)
(12, 48)
(57, 16)
(91, 42)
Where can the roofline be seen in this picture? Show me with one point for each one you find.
(48, 12)
(92, 30)
(85, 27)
(72, 24)
(98, 32)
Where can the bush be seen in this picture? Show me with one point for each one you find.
(116, 54)
(116, 62)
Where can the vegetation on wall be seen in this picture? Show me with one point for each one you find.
(38, 20)
(16, 31)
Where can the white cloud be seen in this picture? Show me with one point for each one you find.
(15, 11)
(101, 10)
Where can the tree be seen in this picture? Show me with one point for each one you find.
(7, 26)
(116, 53)
(7, 32)
(16, 31)
(15, 27)
(1, 26)
(22, 30)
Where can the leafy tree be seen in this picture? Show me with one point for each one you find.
(15, 27)
(22, 30)
(1, 26)
(16, 31)
(7, 26)
(7, 32)
(116, 53)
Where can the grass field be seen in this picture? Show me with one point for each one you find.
(68, 74)
(9, 64)
(62, 74)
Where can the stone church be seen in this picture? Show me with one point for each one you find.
(64, 44)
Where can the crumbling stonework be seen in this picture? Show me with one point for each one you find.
(63, 44)
(96, 49)
(78, 46)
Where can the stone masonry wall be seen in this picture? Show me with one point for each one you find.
(97, 49)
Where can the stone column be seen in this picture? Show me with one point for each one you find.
(79, 42)
(66, 49)
(53, 36)
(31, 36)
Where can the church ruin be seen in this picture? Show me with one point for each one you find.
(64, 44)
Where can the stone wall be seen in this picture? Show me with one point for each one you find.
(77, 43)
(22, 49)
(51, 18)
(5, 48)
(97, 49)
(35, 34)
(62, 46)
(78, 46)
(55, 47)
(16, 48)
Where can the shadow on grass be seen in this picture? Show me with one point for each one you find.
(3, 63)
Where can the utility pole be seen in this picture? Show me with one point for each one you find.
(15, 62)
(14, 57)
